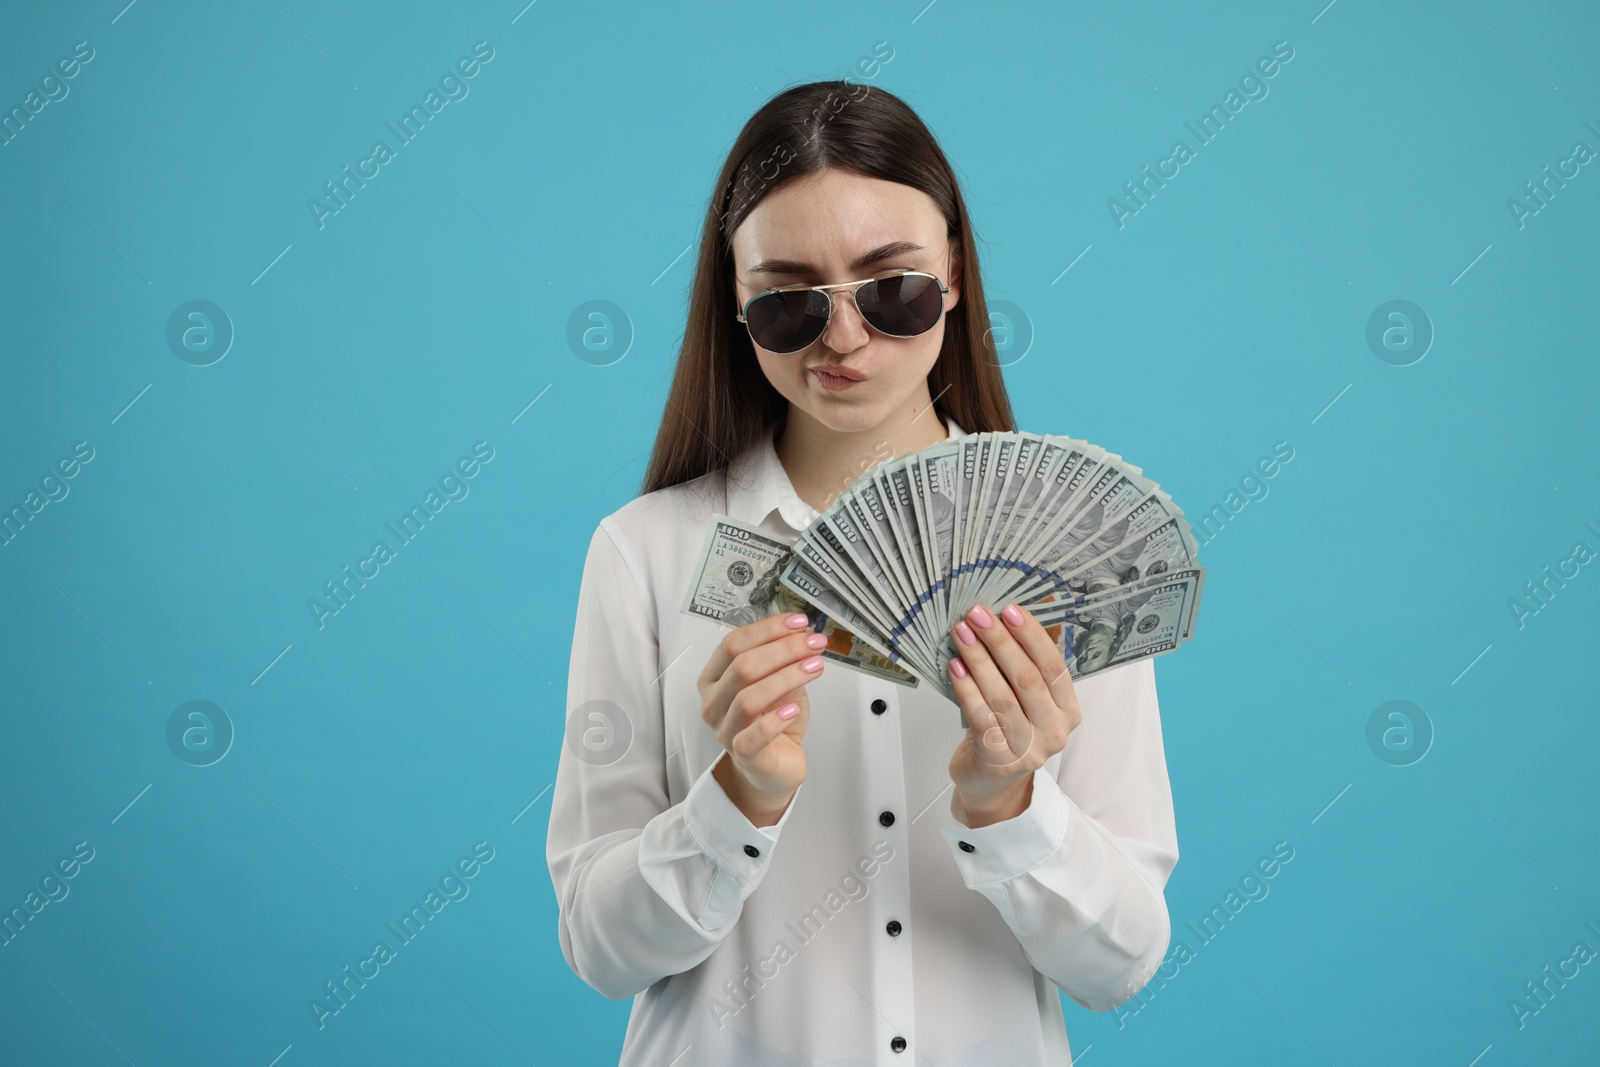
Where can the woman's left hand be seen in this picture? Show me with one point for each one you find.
(1013, 684)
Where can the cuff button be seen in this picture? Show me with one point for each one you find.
(752, 851)
(966, 847)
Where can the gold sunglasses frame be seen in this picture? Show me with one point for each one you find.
(852, 286)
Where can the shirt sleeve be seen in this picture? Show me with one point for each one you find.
(1079, 875)
(644, 888)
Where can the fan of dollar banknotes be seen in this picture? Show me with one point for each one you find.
(1075, 534)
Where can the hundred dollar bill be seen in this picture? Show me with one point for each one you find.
(1098, 631)
(1145, 541)
(737, 583)
(1146, 618)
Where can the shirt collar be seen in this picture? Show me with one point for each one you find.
(758, 484)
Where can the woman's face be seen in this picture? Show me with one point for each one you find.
(839, 226)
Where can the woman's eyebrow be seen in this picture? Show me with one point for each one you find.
(892, 250)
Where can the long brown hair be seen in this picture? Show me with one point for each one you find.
(720, 402)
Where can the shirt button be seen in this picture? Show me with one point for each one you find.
(886, 818)
(879, 706)
(965, 847)
(753, 852)
(898, 1044)
(893, 928)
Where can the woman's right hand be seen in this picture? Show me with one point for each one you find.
(753, 696)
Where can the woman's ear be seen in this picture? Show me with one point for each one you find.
(953, 297)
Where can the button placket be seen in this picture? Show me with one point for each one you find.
(893, 992)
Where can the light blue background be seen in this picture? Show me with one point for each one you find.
(430, 312)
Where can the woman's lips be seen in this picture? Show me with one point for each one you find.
(836, 381)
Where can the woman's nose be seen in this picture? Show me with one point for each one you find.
(847, 330)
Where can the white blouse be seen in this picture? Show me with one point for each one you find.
(869, 925)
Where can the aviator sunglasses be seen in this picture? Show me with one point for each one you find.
(899, 305)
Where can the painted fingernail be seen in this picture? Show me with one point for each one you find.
(788, 711)
(964, 632)
(958, 668)
(1013, 615)
(980, 616)
(797, 620)
(812, 665)
(816, 640)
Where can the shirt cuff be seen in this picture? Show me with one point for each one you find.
(999, 852)
(729, 839)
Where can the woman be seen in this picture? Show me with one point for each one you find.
(784, 862)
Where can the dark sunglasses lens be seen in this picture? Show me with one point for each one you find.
(787, 322)
(904, 306)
